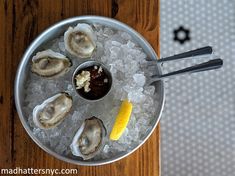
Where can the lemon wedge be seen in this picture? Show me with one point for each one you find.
(122, 120)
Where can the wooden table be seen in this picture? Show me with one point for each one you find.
(20, 22)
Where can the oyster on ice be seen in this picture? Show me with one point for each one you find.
(49, 64)
(80, 40)
(89, 139)
(52, 111)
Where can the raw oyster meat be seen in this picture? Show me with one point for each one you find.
(52, 111)
(49, 64)
(80, 41)
(89, 139)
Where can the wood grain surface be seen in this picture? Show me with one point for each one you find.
(20, 22)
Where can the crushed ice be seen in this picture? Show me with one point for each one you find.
(124, 58)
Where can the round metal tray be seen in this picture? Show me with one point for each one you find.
(57, 30)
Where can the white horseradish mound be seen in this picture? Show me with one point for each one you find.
(126, 61)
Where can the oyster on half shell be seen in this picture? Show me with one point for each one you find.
(52, 111)
(50, 64)
(89, 139)
(80, 41)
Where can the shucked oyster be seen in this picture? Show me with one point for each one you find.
(89, 139)
(49, 63)
(52, 111)
(80, 40)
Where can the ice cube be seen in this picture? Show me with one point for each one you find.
(136, 96)
(149, 90)
(139, 79)
(115, 43)
(125, 36)
(106, 149)
(108, 32)
(61, 46)
(130, 44)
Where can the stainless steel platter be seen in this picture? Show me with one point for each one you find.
(57, 30)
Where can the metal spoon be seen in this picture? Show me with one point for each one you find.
(209, 65)
(197, 52)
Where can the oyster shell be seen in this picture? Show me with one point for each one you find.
(52, 111)
(49, 64)
(89, 139)
(80, 40)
